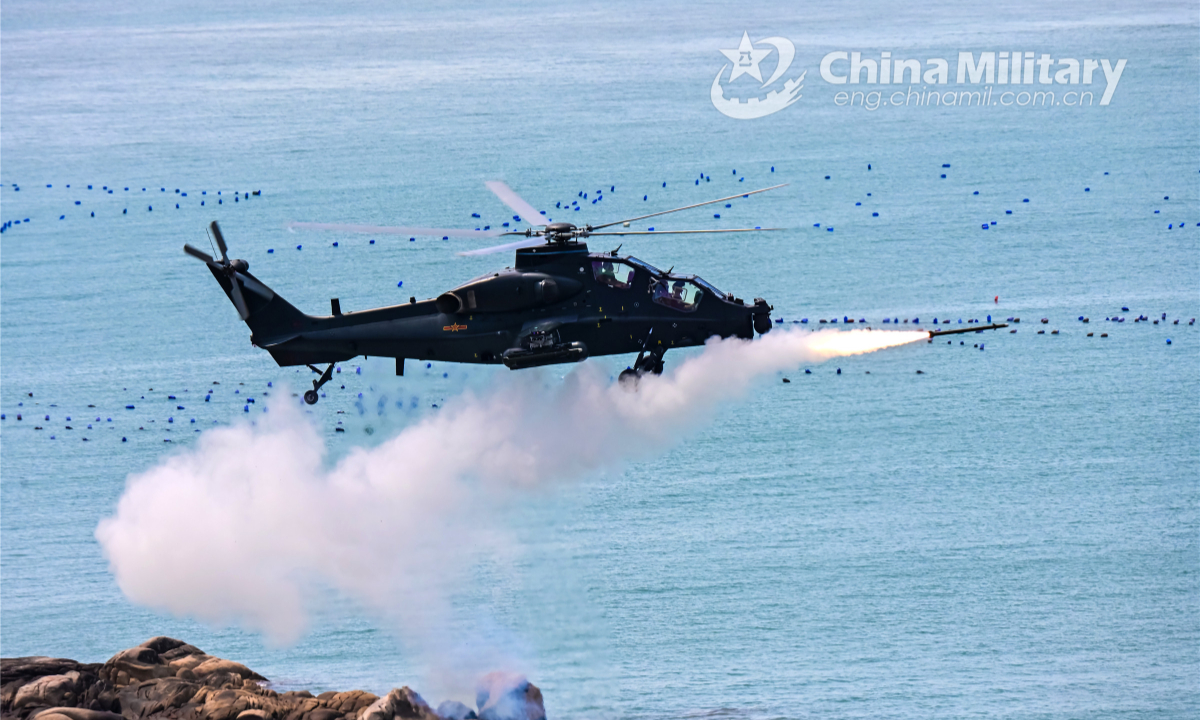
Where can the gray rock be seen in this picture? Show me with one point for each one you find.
(71, 713)
(50, 690)
(399, 703)
(508, 696)
(454, 710)
(152, 697)
(168, 679)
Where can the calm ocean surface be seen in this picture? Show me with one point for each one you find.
(1013, 533)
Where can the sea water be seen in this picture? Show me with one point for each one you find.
(1013, 532)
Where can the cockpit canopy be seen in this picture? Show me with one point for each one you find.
(679, 292)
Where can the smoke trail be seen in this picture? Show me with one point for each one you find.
(243, 527)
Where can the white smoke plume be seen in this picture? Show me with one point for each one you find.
(250, 523)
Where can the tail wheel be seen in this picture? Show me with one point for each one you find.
(311, 397)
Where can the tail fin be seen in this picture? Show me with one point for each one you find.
(272, 319)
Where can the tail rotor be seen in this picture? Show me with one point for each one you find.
(232, 269)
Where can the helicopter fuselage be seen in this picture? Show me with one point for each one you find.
(559, 303)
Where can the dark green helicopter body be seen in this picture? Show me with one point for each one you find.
(558, 304)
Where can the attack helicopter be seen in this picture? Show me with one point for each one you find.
(559, 303)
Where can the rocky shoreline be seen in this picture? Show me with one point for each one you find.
(168, 678)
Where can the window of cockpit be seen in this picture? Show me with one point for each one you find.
(677, 294)
(613, 274)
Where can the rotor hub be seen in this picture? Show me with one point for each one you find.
(561, 232)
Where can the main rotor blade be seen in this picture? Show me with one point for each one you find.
(682, 232)
(238, 301)
(689, 207)
(510, 198)
(393, 230)
(198, 254)
(216, 231)
(527, 242)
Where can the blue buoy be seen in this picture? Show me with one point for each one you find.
(975, 193)
(400, 284)
(857, 204)
(943, 176)
(270, 251)
(716, 215)
(335, 243)
(807, 371)
(985, 226)
(874, 214)
(1008, 212)
(644, 197)
(1025, 200)
(945, 165)
(370, 242)
(1088, 189)
(1168, 341)
(839, 372)
(826, 177)
(772, 168)
(299, 246)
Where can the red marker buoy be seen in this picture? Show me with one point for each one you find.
(997, 299)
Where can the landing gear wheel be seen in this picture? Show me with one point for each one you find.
(628, 378)
(311, 396)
